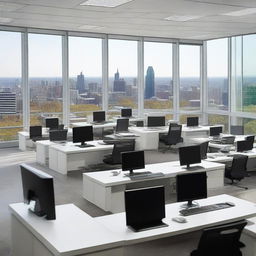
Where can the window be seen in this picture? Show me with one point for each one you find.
(10, 86)
(190, 77)
(45, 77)
(158, 92)
(85, 76)
(123, 90)
(219, 119)
(248, 123)
(217, 72)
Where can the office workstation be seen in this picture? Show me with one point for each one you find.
(127, 128)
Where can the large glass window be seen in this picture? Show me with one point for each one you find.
(45, 77)
(85, 77)
(123, 89)
(219, 119)
(158, 91)
(190, 77)
(10, 86)
(217, 72)
(248, 123)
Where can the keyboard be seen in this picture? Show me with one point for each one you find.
(207, 208)
(145, 176)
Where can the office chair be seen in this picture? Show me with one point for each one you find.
(35, 133)
(222, 240)
(204, 149)
(61, 127)
(237, 129)
(250, 138)
(122, 125)
(115, 157)
(173, 137)
(237, 170)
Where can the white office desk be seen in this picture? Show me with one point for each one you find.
(68, 157)
(42, 151)
(96, 126)
(107, 191)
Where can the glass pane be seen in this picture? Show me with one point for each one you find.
(217, 72)
(183, 118)
(190, 77)
(158, 77)
(10, 85)
(85, 77)
(123, 90)
(248, 123)
(219, 119)
(45, 77)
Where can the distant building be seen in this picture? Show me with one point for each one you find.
(80, 83)
(249, 95)
(119, 84)
(7, 102)
(150, 83)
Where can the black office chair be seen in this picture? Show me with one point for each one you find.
(115, 157)
(204, 149)
(222, 240)
(173, 137)
(250, 138)
(35, 133)
(237, 171)
(61, 127)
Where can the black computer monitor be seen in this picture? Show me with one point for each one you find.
(122, 125)
(237, 129)
(133, 160)
(215, 131)
(126, 112)
(244, 145)
(154, 121)
(58, 135)
(190, 155)
(35, 131)
(191, 186)
(99, 116)
(145, 208)
(52, 123)
(38, 191)
(192, 121)
(82, 134)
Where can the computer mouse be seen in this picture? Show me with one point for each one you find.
(230, 203)
(179, 219)
(115, 173)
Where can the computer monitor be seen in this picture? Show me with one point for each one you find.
(154, 121)
(99, 116)
(35, 131)
(215, 131)
(190, 155)
(122, 125)
(237, 129)
(250, 138)
(52, 123)
(38, 191)
(191, 186)
(244, 145)
(192, 121)
(126, 112)
(145, 208)
(133, 160)
(58, 135)
(82, 134)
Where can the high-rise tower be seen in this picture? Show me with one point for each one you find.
(80, 83)
(119, 84)
(150, 83)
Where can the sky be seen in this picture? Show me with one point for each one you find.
(85, 55)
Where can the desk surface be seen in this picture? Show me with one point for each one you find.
(170, 169)
(103, 125)
(45, 131)
(242, 210)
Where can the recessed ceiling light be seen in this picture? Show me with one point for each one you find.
(243, 12)
(90, 27)
(182, 18)
(105, 3)
(5, 20)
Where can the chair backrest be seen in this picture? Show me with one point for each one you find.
(238, 167)
(237, 129)
(204, 149)
(120, 148)
(122, 125)
(221, 240)
(250, 138)
(35, 131)
(174, 134)
(61, 127)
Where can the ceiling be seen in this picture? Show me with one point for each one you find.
(138, 17)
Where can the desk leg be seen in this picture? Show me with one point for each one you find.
(215, 179)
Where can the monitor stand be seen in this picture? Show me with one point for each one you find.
(148, 226)
(85, 145)
(34, 206)
(189, 204)
(194, 168)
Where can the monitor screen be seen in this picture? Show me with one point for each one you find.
(215, 131)
(60, 135)
(156, 121)
(99, 116)
(237, 130)
(82, 134)
(190, 155)
(192, 121)
(191, 186)
(244, 145)
(122, 125)
(144, 206)
(52, 123)
(35, 131)
(133, 160)
(38, 191)
(126, 112)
